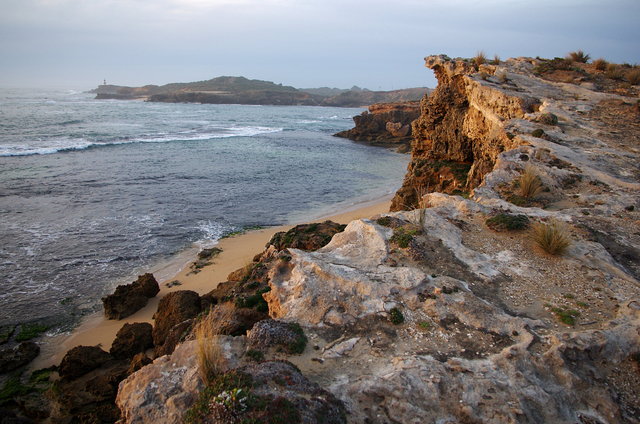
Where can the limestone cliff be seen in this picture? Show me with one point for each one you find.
(459, 311)
(385, 124)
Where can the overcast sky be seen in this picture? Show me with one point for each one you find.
(378, 44)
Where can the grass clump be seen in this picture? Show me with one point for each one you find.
(529, 183)
(30, 331)
(255, 355)
(211, 360)
(395, 316)
(578, 56)
(614, 72)
(505, 221)
(566, 316)
(633, 76)
(402, 236)
(600, 64)
(424, 325)
(496, 60)
(553, 237)
(479, 59)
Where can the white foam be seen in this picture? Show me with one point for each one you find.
(66, 144)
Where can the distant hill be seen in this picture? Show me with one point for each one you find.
(241, 90)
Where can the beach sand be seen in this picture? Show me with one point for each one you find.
(237, 252)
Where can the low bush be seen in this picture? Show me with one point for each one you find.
(600, 64)
(395, 316)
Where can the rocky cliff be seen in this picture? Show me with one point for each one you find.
(385, 124)
(518, 304)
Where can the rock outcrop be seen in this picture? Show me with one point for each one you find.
(437, 314)
(129, 298)
(80, 360)
(385, 124)
(173, 310)
(132, 339)
(18, 356)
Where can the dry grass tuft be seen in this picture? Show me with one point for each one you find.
(480, 58)
(633, 75)
(614, 72)
(600, 64)
(496, 60)
(211, 360)
(553, 237)
(578, 56)
(529, 183)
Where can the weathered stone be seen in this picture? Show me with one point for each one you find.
(138, 361)
(129, 298)
(164, 390)
(173, 309)
(306, 236)
(283, 336)
(18, 356)
(80, 360)
(132, 339)
(177, 334)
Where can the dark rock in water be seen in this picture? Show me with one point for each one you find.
(173, 309)
(270, 333)
(80, 360)
(129, 298)
(137, 362)
(176, 335)
(132, 339)
(20, 355)
(306, 236)
(385, 124)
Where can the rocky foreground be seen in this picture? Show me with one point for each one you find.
(447, 310)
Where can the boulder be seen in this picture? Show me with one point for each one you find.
(20, 355)
(177, 334)
(283, 336)
(80, 360)
(132, 339)
(307, 237)
(233, 321)
(138, 361)
(129, 298)
(173, 309)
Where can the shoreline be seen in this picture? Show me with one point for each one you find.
(237, 251)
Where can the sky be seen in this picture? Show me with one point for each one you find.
(376, 44)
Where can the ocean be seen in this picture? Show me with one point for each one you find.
(95, 192)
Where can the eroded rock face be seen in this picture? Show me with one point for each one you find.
(173, 309)
(132, 339)
(80, 360)
(129, 298)
(18, 356)
(385, 124)
(306, 236)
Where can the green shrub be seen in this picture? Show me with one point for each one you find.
(395, 316)
(255, 355)
(566, 316)
(299, 345)
(403, 236)
(385, 221)
(508, 222)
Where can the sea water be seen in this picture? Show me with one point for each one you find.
(94, 192)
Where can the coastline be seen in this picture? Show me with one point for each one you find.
(237, 251)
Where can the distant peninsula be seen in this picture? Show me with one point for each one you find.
(241, 90)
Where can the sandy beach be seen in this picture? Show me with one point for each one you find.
(237, 251)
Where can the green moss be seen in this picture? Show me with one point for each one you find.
(402, 236)
(566, 316)
(385, 221)
(256, 355)
(582, 304)
(30, 331)
(425, 325)
(508, 222)
(12, 388)
(395, 316)
(6, 332)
